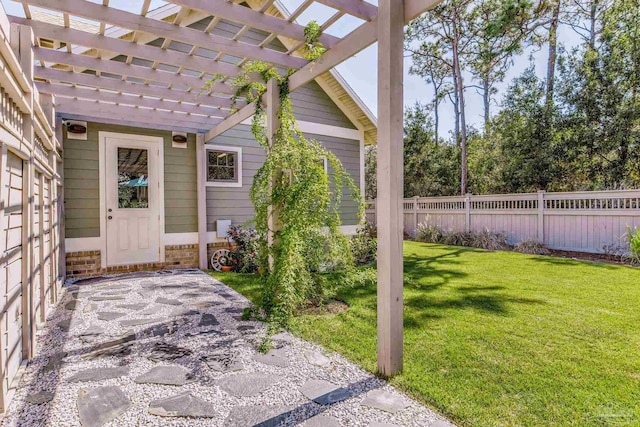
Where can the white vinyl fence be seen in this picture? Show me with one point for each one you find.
(584, 221)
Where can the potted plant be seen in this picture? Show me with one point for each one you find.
(227, 264)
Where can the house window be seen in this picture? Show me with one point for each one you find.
(224, 166)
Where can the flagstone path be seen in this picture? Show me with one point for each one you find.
(171, 348)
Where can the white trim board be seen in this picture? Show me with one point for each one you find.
(325, 130)
(102, 149)
(82, 244)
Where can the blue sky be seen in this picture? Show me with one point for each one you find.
(361, 71)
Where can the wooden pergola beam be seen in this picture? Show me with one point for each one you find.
(254, 19)
(127, 113)
(132, 21)
(359, 39)
(157, 124)
(128, 87)
(123, 69)
(93, 94)
(358, 8)
(124, 47)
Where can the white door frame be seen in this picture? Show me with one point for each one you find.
(102, 151)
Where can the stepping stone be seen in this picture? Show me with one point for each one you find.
(39, 398)
(206, 304)
(138, 322)
(379, 424)
(148, 311)
(195, 334)
(106, 298)
(223, 362)
(64, 325)
(322, 421)
(190, 295)
(168, 301)
(92, 330)
(100, 405)
(208, 320)
(109, 315)
(99, 374)
(245, 385)
(324, 392)
(164, 329)
(385, 401)
(115, 348)
(245, 328)
(262, 416)
(180, 312)
(183, 405)
(55, 361)
(276, 357)
(71, 305)
(90, 307)
(162, 352)
(166, 375)
(317, 358)
(146, 293)
(135, 307)
(235, 310)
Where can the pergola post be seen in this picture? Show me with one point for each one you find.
(272, 99)
(390, 185)
(202, 201)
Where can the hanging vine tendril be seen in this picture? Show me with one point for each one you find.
(293, 183)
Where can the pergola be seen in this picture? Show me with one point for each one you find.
(156, 85)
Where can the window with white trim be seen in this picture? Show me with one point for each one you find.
(224, 166)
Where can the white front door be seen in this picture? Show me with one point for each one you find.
(132, 202)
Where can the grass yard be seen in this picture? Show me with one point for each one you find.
(501, 338)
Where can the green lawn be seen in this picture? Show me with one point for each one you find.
(500, 338)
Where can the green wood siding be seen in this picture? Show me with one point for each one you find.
(233, 203)
(82, 182)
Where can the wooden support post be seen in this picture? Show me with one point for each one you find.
(467, 212)
(62, 252)
(541, 215)
(4, 225)
(415, 216)
(390, 185)
(202, 201)
(22, 43)
(273, 106)
(41, 267)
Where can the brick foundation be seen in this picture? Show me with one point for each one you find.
(87, 264)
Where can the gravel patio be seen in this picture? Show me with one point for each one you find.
(171, 348)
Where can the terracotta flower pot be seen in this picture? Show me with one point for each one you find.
(226, 268)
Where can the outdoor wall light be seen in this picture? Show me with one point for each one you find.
(179, 139)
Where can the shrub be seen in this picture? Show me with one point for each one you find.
(244, 256)
(363, 246)
(489, 240)
(428, 233)
(633, 235)
(532, 247)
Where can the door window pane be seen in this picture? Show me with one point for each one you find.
(133, 178)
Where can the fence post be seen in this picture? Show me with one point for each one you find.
(415, 214)
(467, 212)
(541, 215)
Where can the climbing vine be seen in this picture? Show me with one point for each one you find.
(295, 200)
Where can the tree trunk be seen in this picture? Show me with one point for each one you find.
(457, 74)
(436, 113)
(456, 111)
(486, 98)
(553, 51)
